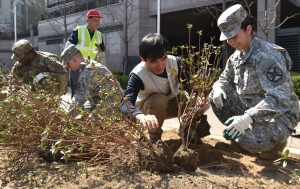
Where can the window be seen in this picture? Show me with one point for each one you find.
(54, 41)
(20, 8)
(20, 22)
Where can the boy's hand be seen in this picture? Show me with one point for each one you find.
(148, 121)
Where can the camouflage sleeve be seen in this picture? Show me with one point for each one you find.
(275, 81)
(84, 87)
(226, 80)
(104, 71)
(57, 71)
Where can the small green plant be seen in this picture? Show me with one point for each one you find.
(284, 156)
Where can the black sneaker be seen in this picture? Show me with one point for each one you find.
(154, 140)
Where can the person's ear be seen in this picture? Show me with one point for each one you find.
(249, 29)
(142, 59)
(70, 61)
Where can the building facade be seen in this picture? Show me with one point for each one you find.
(6, 8)
(175, 14)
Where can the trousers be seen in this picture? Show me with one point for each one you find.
(159, 105)
(260, 137)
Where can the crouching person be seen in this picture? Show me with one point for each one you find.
(154, 85)
(95, 84)
(41, 70)
(254, 96)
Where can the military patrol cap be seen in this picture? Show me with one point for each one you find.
(230, 21)
(20, 49)
(67, 54)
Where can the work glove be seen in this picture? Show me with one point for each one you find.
(236, 126)
(39, 77)
(218, 97)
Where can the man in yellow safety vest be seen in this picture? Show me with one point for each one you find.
(85, 38)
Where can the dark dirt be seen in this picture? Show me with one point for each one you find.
(216, 169)
(186, 158)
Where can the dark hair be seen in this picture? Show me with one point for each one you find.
(153, 46)
(249, 20)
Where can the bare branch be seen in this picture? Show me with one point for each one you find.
(288, 17)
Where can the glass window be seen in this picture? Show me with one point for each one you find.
(20, 8)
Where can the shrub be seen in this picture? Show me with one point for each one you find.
(295, 76)
(123, 80)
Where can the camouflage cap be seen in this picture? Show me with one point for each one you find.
(20, 49)
(68, 52)
(230, 21)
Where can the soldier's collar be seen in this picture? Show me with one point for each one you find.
(36, 60)
(82, 66)
(248, 53)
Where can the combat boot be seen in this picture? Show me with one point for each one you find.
(273, 154)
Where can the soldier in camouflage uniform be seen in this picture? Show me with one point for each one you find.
(254, 96)
(94, 84)
(35, 66)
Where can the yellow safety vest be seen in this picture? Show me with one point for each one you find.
(85, 44)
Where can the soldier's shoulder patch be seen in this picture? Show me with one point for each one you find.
(274, 74)
(270, 70)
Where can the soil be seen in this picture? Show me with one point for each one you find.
(215, 169)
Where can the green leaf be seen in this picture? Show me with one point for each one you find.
(297, 171)
(45, 134)
(189, 26)
(287, 152)
(58, 143)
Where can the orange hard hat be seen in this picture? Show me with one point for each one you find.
(93, 13)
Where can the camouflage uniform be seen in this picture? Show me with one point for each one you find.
(95, 84)
(259, 83)
(44, 62)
